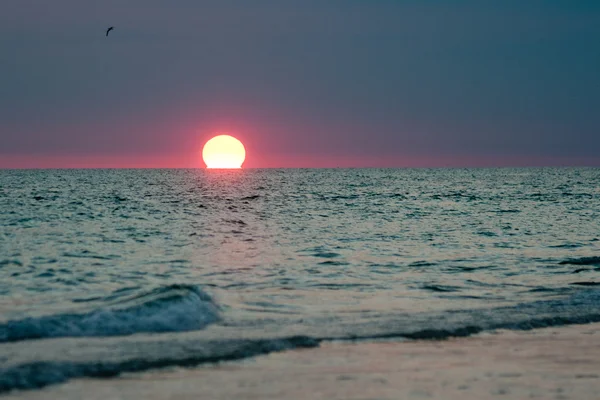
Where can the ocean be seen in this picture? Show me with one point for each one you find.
(111, 271)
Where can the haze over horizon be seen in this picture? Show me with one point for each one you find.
(302, 84)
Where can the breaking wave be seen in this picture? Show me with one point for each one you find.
(42, 363)
(38, 374)
(172, 308)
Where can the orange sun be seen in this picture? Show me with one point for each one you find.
(223, 151)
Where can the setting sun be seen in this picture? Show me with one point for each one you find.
(224, 151)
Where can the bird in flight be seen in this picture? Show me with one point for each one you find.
(109, 29)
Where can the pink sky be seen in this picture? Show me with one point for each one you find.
(193, 160)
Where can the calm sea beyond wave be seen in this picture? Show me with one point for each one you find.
(108, 271)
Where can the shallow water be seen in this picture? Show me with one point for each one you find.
(226, 264)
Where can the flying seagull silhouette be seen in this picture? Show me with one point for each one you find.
(109, 29)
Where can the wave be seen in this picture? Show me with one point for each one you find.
(586, 283)
(35, 375)
(172, 308)
(441, 288)
(581, 261)
(579, 308)
(40, 363)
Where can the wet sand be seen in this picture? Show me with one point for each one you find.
(553, 363)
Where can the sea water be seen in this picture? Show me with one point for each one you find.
(106, 271)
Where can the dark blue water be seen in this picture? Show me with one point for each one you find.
(104, 271)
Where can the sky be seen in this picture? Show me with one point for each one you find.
(302, 83)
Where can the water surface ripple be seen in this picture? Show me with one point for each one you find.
(234, 263)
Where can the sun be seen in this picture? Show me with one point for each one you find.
(224, 151)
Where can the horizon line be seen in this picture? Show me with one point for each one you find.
(279, 168)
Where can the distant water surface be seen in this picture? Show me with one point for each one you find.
(202, 265)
